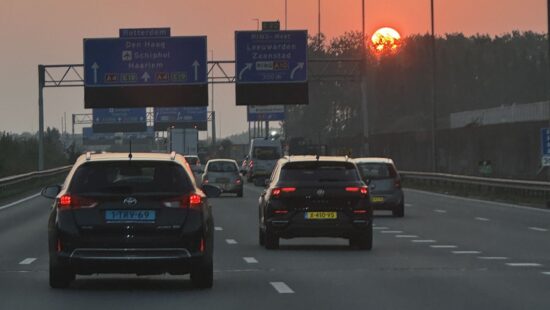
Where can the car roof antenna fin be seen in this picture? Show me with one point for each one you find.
(130, 154)
(317, 157)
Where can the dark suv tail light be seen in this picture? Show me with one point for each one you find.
(192, 201)
(363, 190)
(397, 183)
(276, 192)
(68, 201)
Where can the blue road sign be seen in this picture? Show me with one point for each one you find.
(545, 141)
(265, 113)
(271, 56)
(113, 62)
(119, 120)
(181, 117)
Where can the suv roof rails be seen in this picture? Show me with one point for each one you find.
(173, 155)
(88, 155)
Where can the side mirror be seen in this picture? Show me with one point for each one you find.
(211, 191)
(51, 192)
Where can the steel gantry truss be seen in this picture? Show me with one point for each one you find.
(219, 72)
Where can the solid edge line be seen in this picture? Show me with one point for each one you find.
(281, 288)
(502, 204)
(9, 205)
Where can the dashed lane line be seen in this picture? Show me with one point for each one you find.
(27, 261)
(281, 288)
(424, 241)
(443, 246)
(466, 252)
(231, 241)
(440, 211)
(493, 257)
(538, 229)
(250, 260)
(380, 228)
(391, 232)
(482, 219)
(217, 228)
(406, 236)
(523, 264)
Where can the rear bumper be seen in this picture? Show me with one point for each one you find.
(228, 187)
(285, 228)
(130, 260)
(391, 201)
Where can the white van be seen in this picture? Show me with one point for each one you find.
(262, 157)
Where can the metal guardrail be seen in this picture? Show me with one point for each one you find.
(31, 176)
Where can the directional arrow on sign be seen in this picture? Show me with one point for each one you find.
(247, 67)
(300, 66)
(146, 77)
(95, 66)
(196, 66)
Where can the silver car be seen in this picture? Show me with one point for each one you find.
(384, 182)
(224, 174)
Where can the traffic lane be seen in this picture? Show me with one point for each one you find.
(498, 234)
(397, 273)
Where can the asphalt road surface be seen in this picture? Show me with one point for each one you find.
(446, 253)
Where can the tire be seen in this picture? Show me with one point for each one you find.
(240, 193)
(60, 276)
(261, 237)
(399, 211)
(271, 240)
(362, 242)
(202, 275)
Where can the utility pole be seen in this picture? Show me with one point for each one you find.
(213, 111)
(319, 21)
(434, 94)
(41, 79)
(286, 14)
(364, 102)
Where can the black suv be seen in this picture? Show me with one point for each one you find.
(130, 213)
(310, 196)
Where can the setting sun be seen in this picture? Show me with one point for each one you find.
(386, 39)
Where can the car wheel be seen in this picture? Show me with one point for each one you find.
(261, 236)
(202, 274)
(60, 277)
(399, 211)
(271, 240)
(240, 193)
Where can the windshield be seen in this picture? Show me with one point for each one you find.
(222, 166)
(376, 170)
(130, 177)
(319, 172)
(266, 153)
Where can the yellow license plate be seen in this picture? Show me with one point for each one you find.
(321, 215)
(377, 199)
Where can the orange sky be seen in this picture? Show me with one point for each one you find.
(51, 31)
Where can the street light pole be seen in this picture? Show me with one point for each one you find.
(364, 105)
(319, 21)
(434, 89)
(213, 111)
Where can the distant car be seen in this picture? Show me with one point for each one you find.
(261, 159)
(309, 196)
(224, 174)
(140, 214)
(384, 182)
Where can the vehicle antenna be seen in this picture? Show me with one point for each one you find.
(130, 154)
(317, 157)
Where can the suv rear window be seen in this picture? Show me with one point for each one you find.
(376, 170)
(222, 166)
(130, 177)
(319, 171)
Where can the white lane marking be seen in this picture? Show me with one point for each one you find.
(391, 232)
(440, 211)
(380, 228)
(281, 288)
(9, 205)
(424, 241)
(250, 260)
(443, 246)
(538, 229)
(483, 219)
(27, 261)
(493, 257)
(481, 202)
(466, 252)
(408, 205)
(231, 241)
(218, 228)
(546, 273)
(523, 264)
(406, 236)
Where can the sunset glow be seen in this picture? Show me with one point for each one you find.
(386, 39)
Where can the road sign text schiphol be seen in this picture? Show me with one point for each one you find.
(150, 71)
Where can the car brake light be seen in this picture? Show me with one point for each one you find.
(356, 189)
(192, 201)
(238, 181)
(201, 246)
(280, 211)
(74, 202)
(397, 183)
(352, 189)
(195, 200)
(276, 192)
(359, 211)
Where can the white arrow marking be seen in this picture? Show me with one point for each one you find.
(95, 66)
(298, 67)
(247, 67)
(196, 65)
(146, 77)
